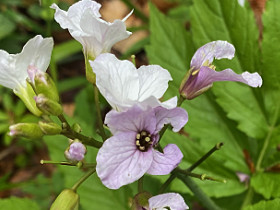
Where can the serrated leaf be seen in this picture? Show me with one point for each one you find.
(273, 204)
(266, 184)
(271, 63)
(18, 203)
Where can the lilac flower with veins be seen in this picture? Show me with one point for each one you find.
(14, 68)
(202, 73)
(123, 85)
(129, 153)
(84, 23)
(172, 201)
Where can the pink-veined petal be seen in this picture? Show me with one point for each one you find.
(216, 49)
(177, 117)
(164, 163)
(119, 162)
(134, 119)
(172, 200)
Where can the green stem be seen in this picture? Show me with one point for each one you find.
(199, 176)
(199, 194)
(248, 198)
(99, 116)
(140, 184)
(65, 163)
(88, 174)
(267, 140)
(68, 132)
(204, 157)
(167, 183)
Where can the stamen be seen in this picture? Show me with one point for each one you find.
(142, 148)
(147, 139)
(143, 141)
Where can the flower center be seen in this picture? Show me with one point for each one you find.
(143, 141)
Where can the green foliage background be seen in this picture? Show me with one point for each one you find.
(245, 119)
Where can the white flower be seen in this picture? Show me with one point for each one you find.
(84, 23)
(124, 86)
(36, 53)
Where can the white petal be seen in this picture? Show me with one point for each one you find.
(117, 80)
(85, 25)
(13, 68)
(119, 162)
(153, 81)
(252, 79)
(72, 18)
(172, 200)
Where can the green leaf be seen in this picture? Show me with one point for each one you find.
(227, 20)
(273, 204)
(66, 49)
(266, 184)
(6, 27)
(71, 83)
(170, 44)
(18, 203)
(270, 59)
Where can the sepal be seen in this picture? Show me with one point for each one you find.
(47, 105)
(50, 128)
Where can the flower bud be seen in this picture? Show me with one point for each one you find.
(50, 128)
(47, 105)
(75, 152)
(66, 200)
(140, 201)
(43, 83)
(77, 128)
(28, 130)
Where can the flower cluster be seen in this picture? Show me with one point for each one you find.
(138, 114)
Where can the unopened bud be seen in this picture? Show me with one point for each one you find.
(67, 200)
(43, 83)
(141, 201)
(28, 130)
(75, 152)
(77, 128)
(50, 128)
(47, 105)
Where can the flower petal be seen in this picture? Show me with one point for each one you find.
(123, 85)
(134, 119)
(200, 82)
(177, 117)
(153, 81)
(72, 18)
(164, 163)
(117, 80)
(119, 162)
(101, 35)
(172, 200)
(216, 49)
(13, 68)
(85, 25)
